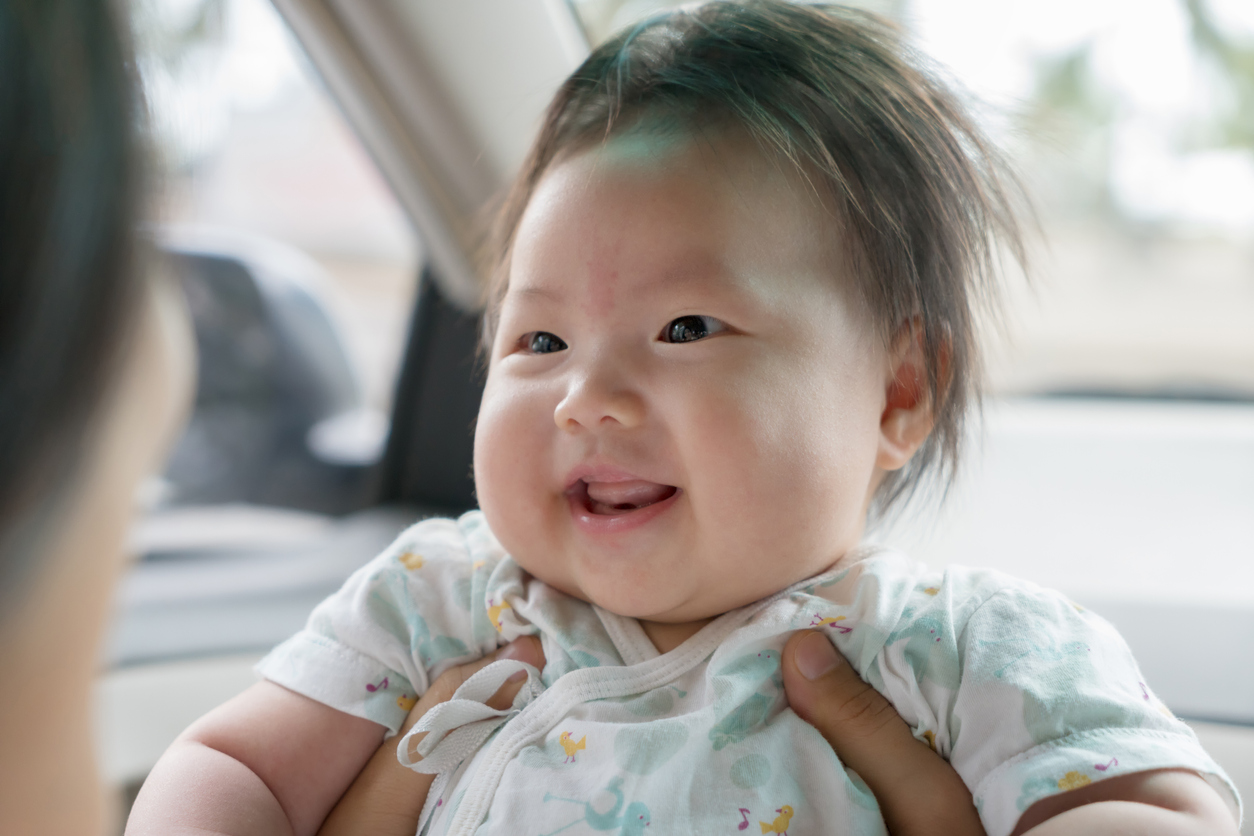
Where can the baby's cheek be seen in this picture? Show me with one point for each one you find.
(745, 457)
(505, 453)
(775, 463)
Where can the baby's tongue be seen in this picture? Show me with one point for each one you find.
(622, 496)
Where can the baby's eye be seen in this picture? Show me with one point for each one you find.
(688, 329)
(542, 342)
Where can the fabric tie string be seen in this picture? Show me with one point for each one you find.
(456, 729)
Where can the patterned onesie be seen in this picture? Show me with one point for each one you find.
(1025, 693)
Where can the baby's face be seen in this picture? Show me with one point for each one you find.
(683, 405)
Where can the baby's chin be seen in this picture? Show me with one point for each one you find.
(658, 602)
(647, 593)
(645, 602)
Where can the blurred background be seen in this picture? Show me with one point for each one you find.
(1120, 437)
(256, 162)
(1132, 123)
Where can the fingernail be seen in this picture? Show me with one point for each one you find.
(816, 656)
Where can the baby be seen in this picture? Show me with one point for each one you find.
(730, 318)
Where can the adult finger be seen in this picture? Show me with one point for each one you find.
(386, 798)
(526, 649)
(917, 790)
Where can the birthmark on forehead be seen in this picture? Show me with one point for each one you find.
(602, 288)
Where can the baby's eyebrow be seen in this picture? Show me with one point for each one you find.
(699, 277)
(533, 292)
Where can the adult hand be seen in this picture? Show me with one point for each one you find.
(917, 790)
(386, 799)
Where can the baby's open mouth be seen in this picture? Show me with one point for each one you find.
(610, 498)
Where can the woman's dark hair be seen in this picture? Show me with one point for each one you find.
(922, 199)
(68, 287)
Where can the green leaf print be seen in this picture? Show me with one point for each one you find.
(439, 649)
(643, 749)
(736, 726)
(1040, 647)
(427, 649)
(738, 701)
(931, 649)
(653, 703)
(754, 667)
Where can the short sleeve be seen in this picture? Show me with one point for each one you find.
(1050, 699)
(372, 648)
(1026, 693)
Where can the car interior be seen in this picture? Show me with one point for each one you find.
(1107, 469)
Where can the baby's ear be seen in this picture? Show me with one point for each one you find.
(908, 417)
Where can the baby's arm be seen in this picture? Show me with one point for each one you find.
(387, 798)
(1163, 802)
(268, 762)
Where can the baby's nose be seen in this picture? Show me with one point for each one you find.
(599, 399)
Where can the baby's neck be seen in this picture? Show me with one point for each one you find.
(667, 637)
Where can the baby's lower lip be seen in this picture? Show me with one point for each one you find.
(599, 518)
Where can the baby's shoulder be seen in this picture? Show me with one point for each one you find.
(433, 564)
(439, 550)
(444, 540)
(444, 587)
(894, 591)
(902, 622)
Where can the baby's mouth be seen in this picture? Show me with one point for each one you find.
(611, 498)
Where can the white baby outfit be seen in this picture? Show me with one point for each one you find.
(1025, 693)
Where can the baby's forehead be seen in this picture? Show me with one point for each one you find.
(729, 154)
(704, 189)
(679, 204)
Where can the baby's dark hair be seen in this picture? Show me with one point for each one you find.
(923, 200)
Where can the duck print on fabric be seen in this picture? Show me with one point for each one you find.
(571, 746)
(832, 622)
(404, 701)
(494, 614)
(780, 823)
(548, 754)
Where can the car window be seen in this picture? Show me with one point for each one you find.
(300, 267)
(1130, 123)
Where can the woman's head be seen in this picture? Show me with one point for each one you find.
(70, 291)
(918, 198)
